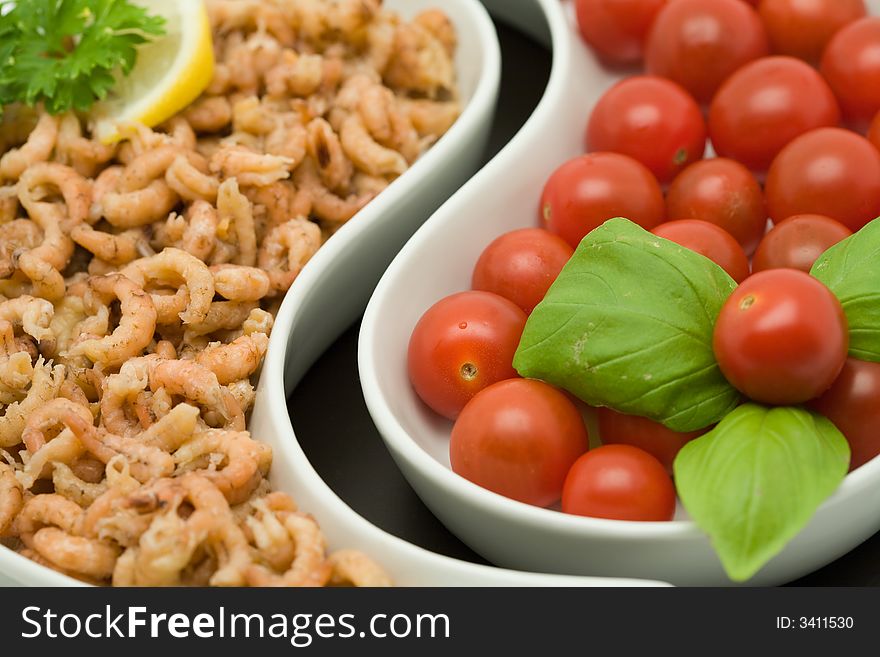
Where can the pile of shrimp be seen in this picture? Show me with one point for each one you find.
(139, 281)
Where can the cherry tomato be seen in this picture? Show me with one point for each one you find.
(709, 240)
(781, 337)
(851, 64)
(661, 443)
(620, 482)
(518, 438)
(874, 131)
(832, 172)
(722, 192)
(802, 28)
(652, 120)
(462, 344)
(853, 404)
(797, 242)
(765, 105)
(587, 191)
(522, 265)
(699, 43)
(616, 29)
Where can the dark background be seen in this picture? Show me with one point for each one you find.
(347, 450)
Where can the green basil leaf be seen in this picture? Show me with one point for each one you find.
(851, 269)
(628, 324)
(755, 480)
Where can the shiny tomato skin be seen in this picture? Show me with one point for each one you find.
(851, 64)
(619, 482)
(722, 192)
(853, 405)
(661, 443)
(462, 344)
(765, 105)
(874, 131)
(588, 190)
(708, 240)
(832, 172)
(797, 242)
(699, 43)
(522, 265)
(616, 29)
(802, 28)
(651, 119)
(518, 438)
(781, 337)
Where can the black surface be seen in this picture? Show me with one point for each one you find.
(345, 447)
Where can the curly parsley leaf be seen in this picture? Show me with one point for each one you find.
(67, 54)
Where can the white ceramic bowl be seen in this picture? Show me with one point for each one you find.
(333, 290)
(438, 261)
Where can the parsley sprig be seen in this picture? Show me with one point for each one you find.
(66, 53)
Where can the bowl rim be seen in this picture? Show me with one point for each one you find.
(404, 447)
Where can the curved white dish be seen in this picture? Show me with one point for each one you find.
(437, 262)
(332, 291)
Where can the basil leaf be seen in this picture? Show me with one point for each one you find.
(628, 324)
(755, 480)
(851, 269)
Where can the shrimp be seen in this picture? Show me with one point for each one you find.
(289, 141)
(195, 383)
(438, 24)
(42, 419)
(146, 462)
(249, 167)
(419, 62)
(176, 265)
(353, 568)
(432, 118)
(190, 183)
(49, 510)
(16, 237)
(114, 249)
(282, 200)
(172, 430)
(334, 167)
(250, 15)
(237, 360)
(140, 207)
(35, 183)
(236, 211)
(246, 461)
(200, 235)
(368, 155)
(11, 497)
(37, 149)
(32, 314)
(119, 390)
(309, 567)
(244, 393)
(77, 554)
(45, 385)
(74, 150)
(239, 283)
(68, 484)
(295, 74)
(137, 322)
(286, 250)
(209, 114)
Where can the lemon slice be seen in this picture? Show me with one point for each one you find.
(170, 72)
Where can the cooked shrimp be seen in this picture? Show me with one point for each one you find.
(289, 141)
(46, 383)
(88, 556)
(11, 499)
(32, 314)
(136, 324)
(286, 250)
(194, 383)
(309, 567)
(140, 207)
(248, 167)
(114, 249)
(237, 360)
(368, 155)
(44, 418)
(74, 150)
(353, 568)
(239, 283)
(35, 184)
(334, 167)
(209, 114)
(68, 484)
(236, 211)
(37, 149)
(190, 183)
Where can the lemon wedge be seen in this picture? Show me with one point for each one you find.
(170, 72)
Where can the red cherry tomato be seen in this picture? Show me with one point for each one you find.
(722, 192)
(853, 404)
(620, 482)
(461, 345)
(851, 64)
(781, 337)
(874, 131)
(832, 172)
(765, 105)
(518, 438)
(803, 28)
(587, 191)
(661, 443)
(699, 43)
(652, 120)
(797, 242)
(522, 265)
(616, 29)
(709, 240)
